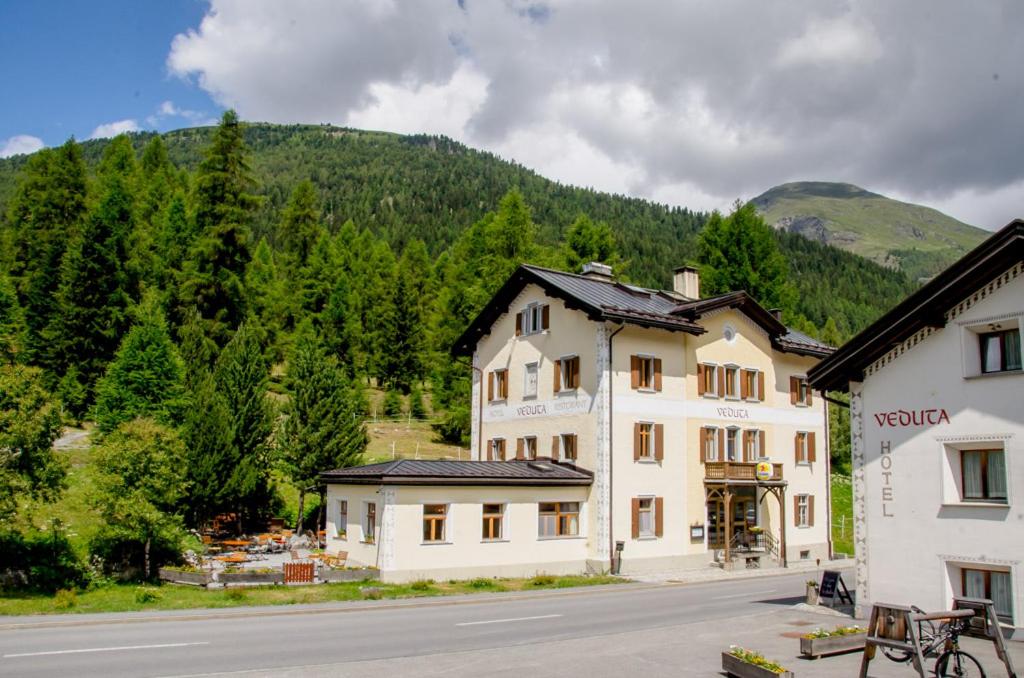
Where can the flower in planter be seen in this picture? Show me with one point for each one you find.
(755, 658)
(837, 631)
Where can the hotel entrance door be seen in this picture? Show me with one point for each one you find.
(744, 515)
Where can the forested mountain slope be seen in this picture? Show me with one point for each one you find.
(432, 188)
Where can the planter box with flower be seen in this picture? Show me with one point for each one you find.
(840, 639)
(749, 664)
(186, 575)
(251, 576)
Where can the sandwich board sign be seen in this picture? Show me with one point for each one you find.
(832, 585)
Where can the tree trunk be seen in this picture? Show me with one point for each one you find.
(320, 524)
(146, 551)
(298, 521)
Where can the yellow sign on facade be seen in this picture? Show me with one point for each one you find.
(764, 470)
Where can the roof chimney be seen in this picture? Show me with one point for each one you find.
(777, 312)
(686, 281)
(597, 271)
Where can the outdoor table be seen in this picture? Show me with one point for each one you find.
(232, 558)
(236, 542)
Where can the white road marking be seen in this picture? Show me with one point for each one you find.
(744, 595)
(502, 621)
(101, 649)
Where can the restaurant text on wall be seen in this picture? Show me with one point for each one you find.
(904, 418)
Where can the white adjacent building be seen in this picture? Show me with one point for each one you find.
(937, 423)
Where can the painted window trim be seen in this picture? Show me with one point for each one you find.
(712, 394)
(526, 376)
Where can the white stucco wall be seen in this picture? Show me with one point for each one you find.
(464, 553)
(916, 531)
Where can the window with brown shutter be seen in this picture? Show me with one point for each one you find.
(545, 317)
(556, 446)
(497, 451)
(530, 447)
(811, 455)
(732, 382)
(794, 390)
(810, 510)
(803, 510)
(490, 386)
(745, 384)
(644, 441)
(799, 391)
(721, 380)
(659, 513)
(519, 448)
(569, 446)
(708, 384)
(497, 385)
(645, 373)
(534, 319)
(636, 517)
(567, 373)
(801, 445)
(760, 444)
(721, 443)
(760, 386)
(519, 324)
(709, 444)
(701, 386)
(659, 442)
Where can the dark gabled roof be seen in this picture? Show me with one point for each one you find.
(617, 302)
(440, 472)
(926, 307)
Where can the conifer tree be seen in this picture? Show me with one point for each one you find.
(417, 408)
(587, 241)
(319, 274)
(341, 326)
(392, 403)
(11, 323)
(145, 378)
(403, 323)
(740, 252)
(323, 428)
(46, 211)
(212, 278)
(300, 223)
(210, 455)
(95, 289)
(241, 377)
(268, 297)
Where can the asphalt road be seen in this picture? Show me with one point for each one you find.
(272, 641)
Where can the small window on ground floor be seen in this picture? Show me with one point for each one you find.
(646, 514)
(370, 522)
(558, 519)
(494, 515)
(433, 522)
(991, 584)
(341, 529)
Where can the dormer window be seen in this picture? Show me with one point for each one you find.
(533, 319)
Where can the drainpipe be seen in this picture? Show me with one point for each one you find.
(828, 471)
(611, 452)
(480, 417)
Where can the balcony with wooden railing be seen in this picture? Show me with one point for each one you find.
(737, 470)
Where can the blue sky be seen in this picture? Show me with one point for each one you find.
(68, 68)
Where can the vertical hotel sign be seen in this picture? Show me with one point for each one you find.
(900, 419)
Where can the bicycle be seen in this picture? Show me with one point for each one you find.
(952, 662)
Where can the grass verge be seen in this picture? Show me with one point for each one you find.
(842, 514)
(132, 598)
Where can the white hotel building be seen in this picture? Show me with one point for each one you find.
(937, 424)
(681, 428)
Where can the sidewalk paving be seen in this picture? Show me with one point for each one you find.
(712, 574)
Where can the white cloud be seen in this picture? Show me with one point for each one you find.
(20, 144)
(168, 109)
(830, 41)
(690, 102)
(112, 129)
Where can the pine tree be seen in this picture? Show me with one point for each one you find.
(323, 429)
(11, 323)
(403, 323)
(146, 377)
(740, 252)
(392, 403)
(268, 297)
(95, 289)
(212, 278)
(241, 376)
(46, 211)
(341, 327)
(587, 241)
(210, 455)
(417, 408)
(198, 352)
(300, 223)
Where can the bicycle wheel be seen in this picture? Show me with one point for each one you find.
(958, 664)
(895, 655)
